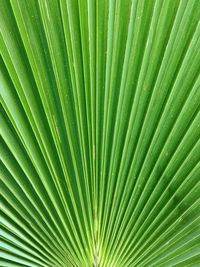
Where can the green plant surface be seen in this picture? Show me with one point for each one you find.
(100, 133)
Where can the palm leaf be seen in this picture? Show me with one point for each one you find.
(100, 125)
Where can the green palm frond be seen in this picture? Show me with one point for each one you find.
(100, 125)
